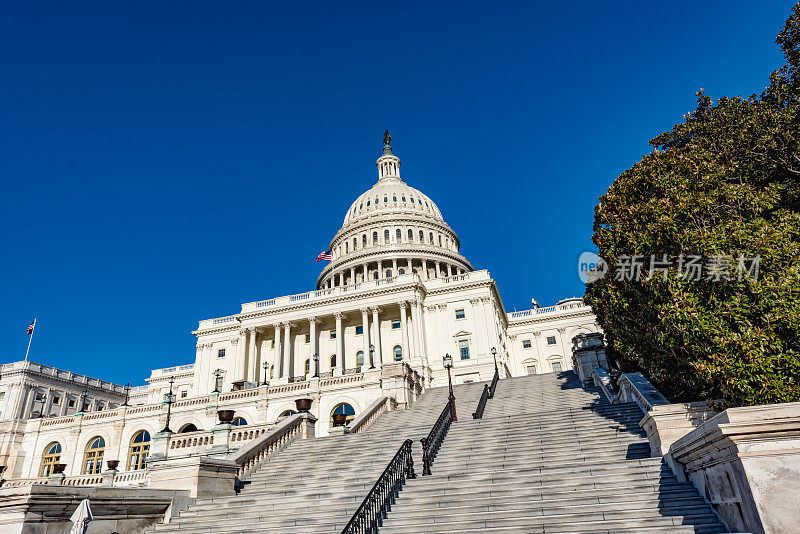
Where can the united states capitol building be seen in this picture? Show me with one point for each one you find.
(396, 296)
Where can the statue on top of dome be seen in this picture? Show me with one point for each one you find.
(387, 138)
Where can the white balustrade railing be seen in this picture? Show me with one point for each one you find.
(372, 413)
(257, 451)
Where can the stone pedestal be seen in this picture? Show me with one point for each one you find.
(667, 423)
(56, 479)
(108, 477)
(199, 475)
(221, 433)
(158, 446)
(746, 463)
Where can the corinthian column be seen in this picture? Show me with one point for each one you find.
(287, 350)
(376, 339)
(404, 330)
(252, 370)
(339, 351)
(365, 337)
(312, 328)
(238, 362)
(276, 350)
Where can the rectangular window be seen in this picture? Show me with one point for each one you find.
(551, 340)
(396, 324)
(530, 369)
(221, 353)
(333, 334)
(467, 382)
(184, 394)
(308, 338)
(556, 367)
(460, 314)
(3, 395)
(526, 344)
(463, 349)
(359, 330)
(71, 403)
(56, 400)
(272, 343)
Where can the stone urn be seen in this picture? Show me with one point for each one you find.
(58, 469)
(112, 464)
(225, 416)
(339, 419)
(303, 405)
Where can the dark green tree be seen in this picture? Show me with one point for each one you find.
(724, 182)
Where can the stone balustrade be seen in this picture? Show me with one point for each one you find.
(368, 416)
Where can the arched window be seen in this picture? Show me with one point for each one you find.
(386, 236)
(398, 353)
(272, 371)
(140, 446)
(430, 238)
(410, 236)
(93, 457)
(421, 236)
(364, 239)
(333, 361)
(374, 238)
(398, 235)
(51, 456)
(359, 360)
(187, 428)
(307, 366)
(239, 421)
(376, 275)
(389, 273)
(440, 241)
(412, 200)
(401, 271)
(287, 413)
(346, 247)
(346, 409)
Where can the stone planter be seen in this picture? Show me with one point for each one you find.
(58, 469)
(303, 405)
(112, 464)
(225, 416)
(339, 419)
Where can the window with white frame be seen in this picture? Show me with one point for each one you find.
(221, 353)
(395, 324)
(556, 366)
(308, 338)
(359, 330)
(463, 349)
(460, 314)
(526, 344)
(551, 340)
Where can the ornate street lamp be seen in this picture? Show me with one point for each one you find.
(217, 375)
(316, 365)
(371, 356)
(266, 370)
(83, 400)
(447, 361)
(127, 393)
(494, 355)
(170, 398)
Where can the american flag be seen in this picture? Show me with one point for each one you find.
(325, 255)
(31, 327)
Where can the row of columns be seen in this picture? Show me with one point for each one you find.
(22, 401)
(246, 365)
(338, 278)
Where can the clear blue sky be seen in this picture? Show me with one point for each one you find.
(163, 162)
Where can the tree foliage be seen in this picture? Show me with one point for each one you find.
(725, 181)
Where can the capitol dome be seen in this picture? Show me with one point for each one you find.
(390, 230)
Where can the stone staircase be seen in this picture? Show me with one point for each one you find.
(315, 486)
(549, 457)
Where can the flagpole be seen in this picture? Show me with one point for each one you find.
(30, 339)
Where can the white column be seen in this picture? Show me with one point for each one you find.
(339, 352)
(312, 327)
(352, 275)
(365, 336)
(480, 324)
(376, 338)
(26, 413)
(394, 267)
(49, 404)
(421, 332)
(415, 327)
(64, 403)
(491, 326)
(364, 275)
(404, 331)
(276, 352)
(252, 370)
(380, 269)
(238, 362)
(287, 350)
(443, 338)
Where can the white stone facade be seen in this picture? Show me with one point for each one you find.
(395, 298)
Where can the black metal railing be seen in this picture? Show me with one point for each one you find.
(495, 378)
(478, 413)
(381, 497)
(431, 444)
(488, 393)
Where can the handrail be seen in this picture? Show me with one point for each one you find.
(431, 443)
(252, 454)
(488, 393)
(368, 416)
(381, 497)
(478, 413)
